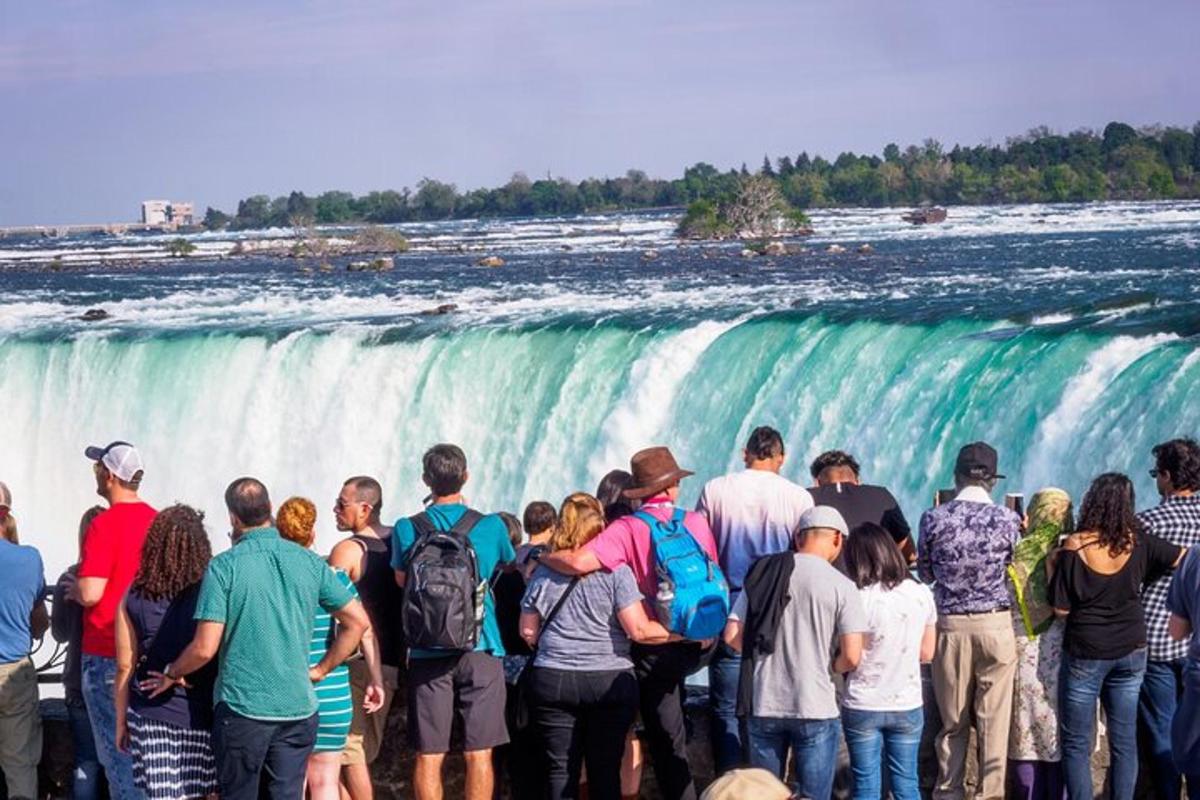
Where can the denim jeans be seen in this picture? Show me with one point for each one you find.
(1156, 708)
(99, 674)
(878, 737)
(814, 744)
(728, 738)
(1117, 683)
(86, 781)
(1185, 733)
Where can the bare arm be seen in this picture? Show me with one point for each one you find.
(374, 695)
(1178, 628)
(90, 590)
(352, 621)
(572, 562)
(733, 634)
(530, 627)
(39, 619)
(640, 628)
(1179, 558)
(928, 644)
(849, 654)
(348, 556)
(127, 657)
(401, 577)
(200, 651)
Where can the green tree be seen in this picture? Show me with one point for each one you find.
(215, 220)
(434, 199)
(334, 207)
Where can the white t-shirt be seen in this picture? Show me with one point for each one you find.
(888, 677)
(752, 514)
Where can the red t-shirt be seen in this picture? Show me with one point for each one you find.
(112, 549)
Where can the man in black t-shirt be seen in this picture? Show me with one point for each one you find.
(837, 485)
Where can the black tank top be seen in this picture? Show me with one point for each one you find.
(381, 597)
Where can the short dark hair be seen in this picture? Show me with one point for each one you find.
(367, 490)
(248, 501)
(832, 458)
(764, 442)
(1180, 458)
(540, 517)
(872, 557)
(444, 468)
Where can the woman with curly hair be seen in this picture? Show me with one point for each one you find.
(1095, 582)
(296, 520)
(583, 692)
(169, 736)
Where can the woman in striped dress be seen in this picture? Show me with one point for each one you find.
(168, 736)
(295, 521)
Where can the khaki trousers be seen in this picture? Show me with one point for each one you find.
(20, 728)
(973, 669)
(366, 730)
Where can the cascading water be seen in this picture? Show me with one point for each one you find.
(1072, 359)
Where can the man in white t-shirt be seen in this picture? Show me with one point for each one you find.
(752, 513)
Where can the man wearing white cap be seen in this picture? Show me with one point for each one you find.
(797, 622)
(112, 551)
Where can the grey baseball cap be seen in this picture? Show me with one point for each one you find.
(823, 517)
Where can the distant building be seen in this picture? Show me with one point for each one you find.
(155, 212)
(167, 214)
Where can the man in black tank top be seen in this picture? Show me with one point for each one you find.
(366, 556)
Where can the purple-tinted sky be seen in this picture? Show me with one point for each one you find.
(103, 104)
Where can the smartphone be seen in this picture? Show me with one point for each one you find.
(1016, 503)
(943, 496)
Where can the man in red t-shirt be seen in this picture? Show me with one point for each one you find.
(112, 553)
(660, 669)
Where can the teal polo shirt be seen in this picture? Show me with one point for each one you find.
(492, 548)
(266, 590)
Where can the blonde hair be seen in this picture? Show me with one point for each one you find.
(580, 519)
(295, 520)
(8, 529)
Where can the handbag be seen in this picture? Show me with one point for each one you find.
(522, 711)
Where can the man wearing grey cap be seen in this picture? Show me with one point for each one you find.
(112, 551)
(794, 609)
(964, 550)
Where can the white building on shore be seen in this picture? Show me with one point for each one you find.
(167, 213)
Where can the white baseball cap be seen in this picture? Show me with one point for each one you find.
(5, 497)
(119, 458)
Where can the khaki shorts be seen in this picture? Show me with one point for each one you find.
(366, 730)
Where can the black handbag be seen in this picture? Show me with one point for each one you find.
(522, 712)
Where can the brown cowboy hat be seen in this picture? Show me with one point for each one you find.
(654, 469)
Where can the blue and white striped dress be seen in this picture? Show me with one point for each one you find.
(334, 706)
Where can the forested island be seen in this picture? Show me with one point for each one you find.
(1119, 163)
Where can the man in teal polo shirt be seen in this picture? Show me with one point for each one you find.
(256, 608)
(444, 685)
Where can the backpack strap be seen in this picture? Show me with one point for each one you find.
(422, 525)
(466, 523)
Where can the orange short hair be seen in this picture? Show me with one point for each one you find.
(295, 520)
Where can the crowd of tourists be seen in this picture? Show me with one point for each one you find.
(549, 650)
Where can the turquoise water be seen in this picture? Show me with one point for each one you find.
(1072, 358)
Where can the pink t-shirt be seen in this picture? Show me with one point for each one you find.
(627, 541)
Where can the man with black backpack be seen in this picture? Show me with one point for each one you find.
(674, 558)
(443, 558)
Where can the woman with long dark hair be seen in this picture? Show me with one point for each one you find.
(882, 712)
(1095, 582)
(169, 736)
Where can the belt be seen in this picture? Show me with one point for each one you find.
(996, 610)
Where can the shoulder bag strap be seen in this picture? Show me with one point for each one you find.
(554, 611)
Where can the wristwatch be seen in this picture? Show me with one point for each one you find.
(167, 672)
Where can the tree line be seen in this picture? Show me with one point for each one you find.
(1119, 163)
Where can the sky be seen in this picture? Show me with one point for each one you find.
(104, 104)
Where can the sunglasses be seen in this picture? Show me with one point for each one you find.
(1154, 473)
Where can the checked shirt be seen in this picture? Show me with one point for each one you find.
(1176, 519)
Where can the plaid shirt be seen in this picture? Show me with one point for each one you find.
(1176, 519)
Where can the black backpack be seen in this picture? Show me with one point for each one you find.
(443, 593)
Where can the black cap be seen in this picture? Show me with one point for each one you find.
(977, 460)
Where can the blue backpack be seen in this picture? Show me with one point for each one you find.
(693, 597)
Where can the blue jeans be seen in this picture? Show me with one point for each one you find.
(872, 737)
(1156, 708)
(724, 674)
(814, 744)
(99, 674)
(1116, 682)
(86, 782)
